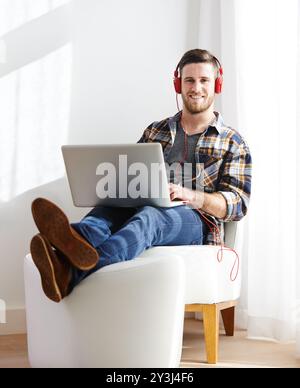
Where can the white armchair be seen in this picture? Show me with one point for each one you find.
(131, 314)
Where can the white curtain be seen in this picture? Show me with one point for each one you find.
(258, 42)
(297, 315)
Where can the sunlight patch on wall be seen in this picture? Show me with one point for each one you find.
(3, 54)
(35, 104)
(14, 13)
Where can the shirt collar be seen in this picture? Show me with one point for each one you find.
(218, 123)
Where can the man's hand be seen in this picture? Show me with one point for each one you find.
(184, 194)
(213, 204)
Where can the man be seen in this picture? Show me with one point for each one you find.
(66, 254)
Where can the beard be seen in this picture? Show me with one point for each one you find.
(194, 107)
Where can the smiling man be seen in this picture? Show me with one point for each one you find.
(66, 254)
(198, 83)
(199, 136)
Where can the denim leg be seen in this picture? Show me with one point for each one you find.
(96, 227)
(149, 227)
(152, 226)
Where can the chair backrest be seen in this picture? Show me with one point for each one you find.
(230, 233)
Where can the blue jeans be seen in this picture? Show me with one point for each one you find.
(120, 234)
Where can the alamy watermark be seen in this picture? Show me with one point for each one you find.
(2, 311)
(3, 52)
(137, 180)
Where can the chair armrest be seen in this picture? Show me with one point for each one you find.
(128, 314)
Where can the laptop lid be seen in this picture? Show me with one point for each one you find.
(123, 175)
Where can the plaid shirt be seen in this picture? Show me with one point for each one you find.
(226, 161)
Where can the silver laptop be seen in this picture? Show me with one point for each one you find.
(126, 175)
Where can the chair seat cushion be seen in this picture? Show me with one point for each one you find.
(207, 280)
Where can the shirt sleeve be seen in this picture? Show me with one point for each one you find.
(145, 136)
(235, 182)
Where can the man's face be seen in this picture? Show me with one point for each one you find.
(198, 87)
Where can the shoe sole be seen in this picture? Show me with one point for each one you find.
(54, 225)
(41, 257)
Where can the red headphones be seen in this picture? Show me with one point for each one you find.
(218, 81)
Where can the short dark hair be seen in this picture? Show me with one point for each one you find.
(199, 56)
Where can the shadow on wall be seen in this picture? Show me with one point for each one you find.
(35, 93)
(36, 36)
(16, 230)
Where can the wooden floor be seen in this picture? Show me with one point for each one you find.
(13, 352)
(237, 351)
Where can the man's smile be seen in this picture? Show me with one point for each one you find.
(196, 98)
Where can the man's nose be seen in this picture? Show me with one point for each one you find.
(197, 86)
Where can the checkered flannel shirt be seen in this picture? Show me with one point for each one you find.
(226, 162)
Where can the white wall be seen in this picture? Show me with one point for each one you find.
(124, 55)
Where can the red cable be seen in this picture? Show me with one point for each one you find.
(215, 231)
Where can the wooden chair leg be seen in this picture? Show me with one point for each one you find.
(211, 332)
(228, 319)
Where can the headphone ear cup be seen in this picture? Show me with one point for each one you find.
(218, 85)
(177, 85)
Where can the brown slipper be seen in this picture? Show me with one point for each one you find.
(54, 225)
(46, 262)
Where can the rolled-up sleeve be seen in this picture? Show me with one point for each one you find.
(235, 182)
